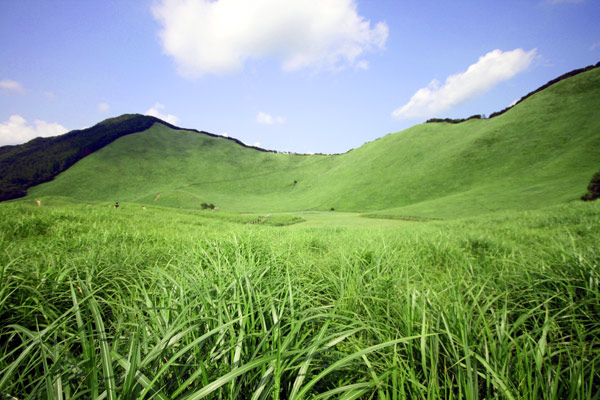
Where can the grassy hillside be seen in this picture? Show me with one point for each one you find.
(41, 159)
(539, 153)
(179, 168)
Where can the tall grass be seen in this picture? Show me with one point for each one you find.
(104, 303)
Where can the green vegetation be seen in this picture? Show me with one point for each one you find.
(206, 206)
(166, 303)
(540, 153)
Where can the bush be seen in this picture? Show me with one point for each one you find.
(593, 188)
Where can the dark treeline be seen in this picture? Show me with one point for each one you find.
(454, 121)
(496, 113)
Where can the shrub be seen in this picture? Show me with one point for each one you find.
(593, 188)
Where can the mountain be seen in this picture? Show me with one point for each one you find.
(542, 151)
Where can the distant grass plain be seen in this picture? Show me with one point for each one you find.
(476, 276)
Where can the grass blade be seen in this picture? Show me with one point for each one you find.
(109, 376)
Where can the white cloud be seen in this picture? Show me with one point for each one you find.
(594, 46)
(103, 107)
(362, 64)
(49, 95)
(207, 36)
(16, 130)
(11, 86)
(266, 119)
(155, 112)
(491, 69)
(257, 144)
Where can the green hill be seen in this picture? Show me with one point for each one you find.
(41, 159)
(541, 152)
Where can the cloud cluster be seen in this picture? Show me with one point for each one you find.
(11, 86)
(267, 119)
(207, 36)
(155, 112)
(491, 69)
(16, 130)
(103, 107)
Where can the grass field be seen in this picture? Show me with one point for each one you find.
(97, 302)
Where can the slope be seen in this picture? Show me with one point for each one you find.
(539, 153)
(182, 168)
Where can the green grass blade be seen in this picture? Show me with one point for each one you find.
(351, 357)
(223, 380)
(140, 377)
(107, 368)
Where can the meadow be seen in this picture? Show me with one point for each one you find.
(163, 303)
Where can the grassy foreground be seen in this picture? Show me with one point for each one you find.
(97, 302)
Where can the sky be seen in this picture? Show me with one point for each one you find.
(321, 76)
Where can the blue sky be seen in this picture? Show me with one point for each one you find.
(290, 75)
